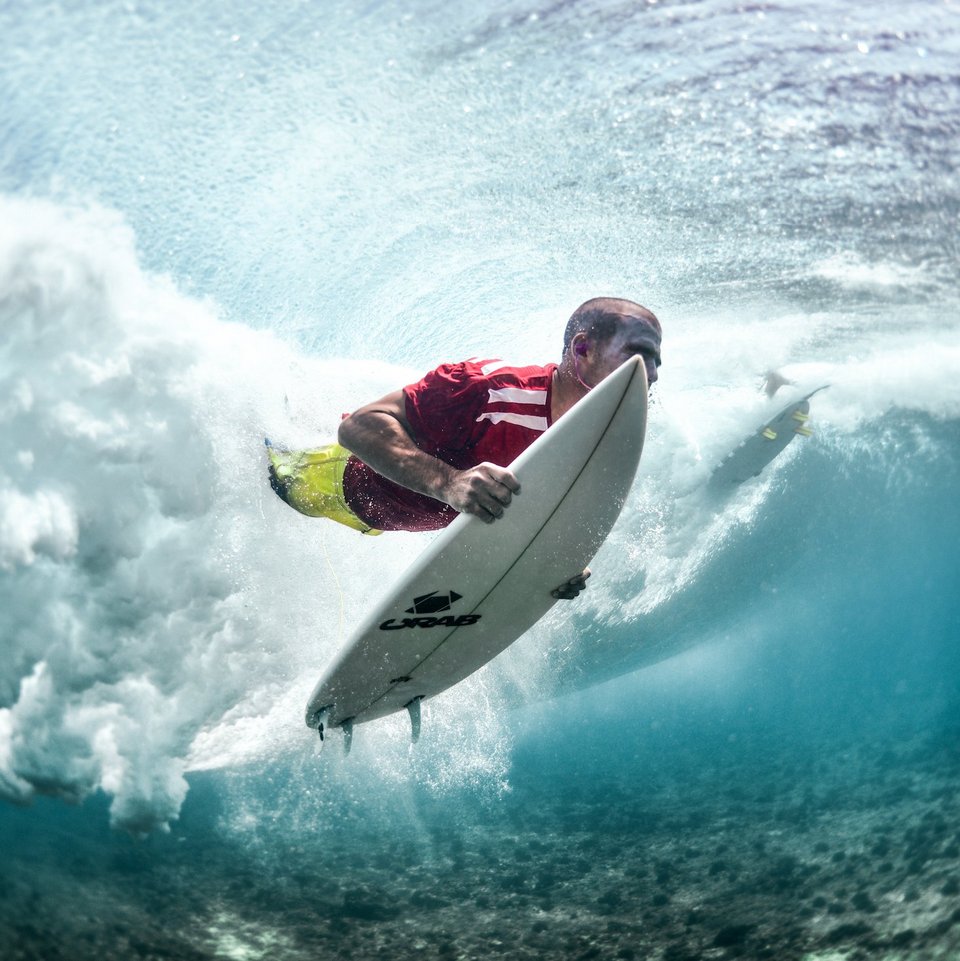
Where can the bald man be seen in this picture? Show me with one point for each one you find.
(420, 456)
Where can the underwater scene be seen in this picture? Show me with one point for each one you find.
(226, 222)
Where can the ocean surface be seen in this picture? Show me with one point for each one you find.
(225, 221)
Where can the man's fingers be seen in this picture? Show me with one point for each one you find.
(485, 490)
(504, 478)
(491, 489)
(570, 589)
(485, 506)
(491, 506)
(496, 497)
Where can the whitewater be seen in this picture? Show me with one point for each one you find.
(222, 225)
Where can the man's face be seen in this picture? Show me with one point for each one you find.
(633, 337)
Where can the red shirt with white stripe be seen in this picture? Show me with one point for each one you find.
(465, 414)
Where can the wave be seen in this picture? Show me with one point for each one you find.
(164, 613)
(129, 414)
(845, 532)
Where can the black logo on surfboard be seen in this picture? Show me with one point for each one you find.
(430, 604)
(433, 602)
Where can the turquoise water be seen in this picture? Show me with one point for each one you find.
(220, 224)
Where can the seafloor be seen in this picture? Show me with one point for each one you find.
(728, 850)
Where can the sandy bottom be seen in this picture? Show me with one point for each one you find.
(842, 852)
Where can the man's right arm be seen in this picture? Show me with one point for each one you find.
(380, 435)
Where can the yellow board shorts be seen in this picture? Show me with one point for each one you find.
(311, 481)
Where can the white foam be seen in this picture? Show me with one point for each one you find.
(40, 523)
(153, 590)
(851, 271)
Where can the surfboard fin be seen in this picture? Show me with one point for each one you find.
(769, 433)
(803, 430)
(347, 728)
(413, 709)
(318, 719)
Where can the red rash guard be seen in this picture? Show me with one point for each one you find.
(464, 414)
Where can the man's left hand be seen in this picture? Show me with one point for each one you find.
(568, 590)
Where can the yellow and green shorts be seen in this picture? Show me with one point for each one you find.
(311, 481)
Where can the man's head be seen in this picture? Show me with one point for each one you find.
(604, 332)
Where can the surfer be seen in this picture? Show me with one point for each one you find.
(416, 458)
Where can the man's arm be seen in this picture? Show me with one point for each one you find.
(380, 435)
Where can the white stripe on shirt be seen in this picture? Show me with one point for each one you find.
(488, 368)
(522, 420)
(517, 395)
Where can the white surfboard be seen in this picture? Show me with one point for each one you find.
(479, 586)
(760, 448)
